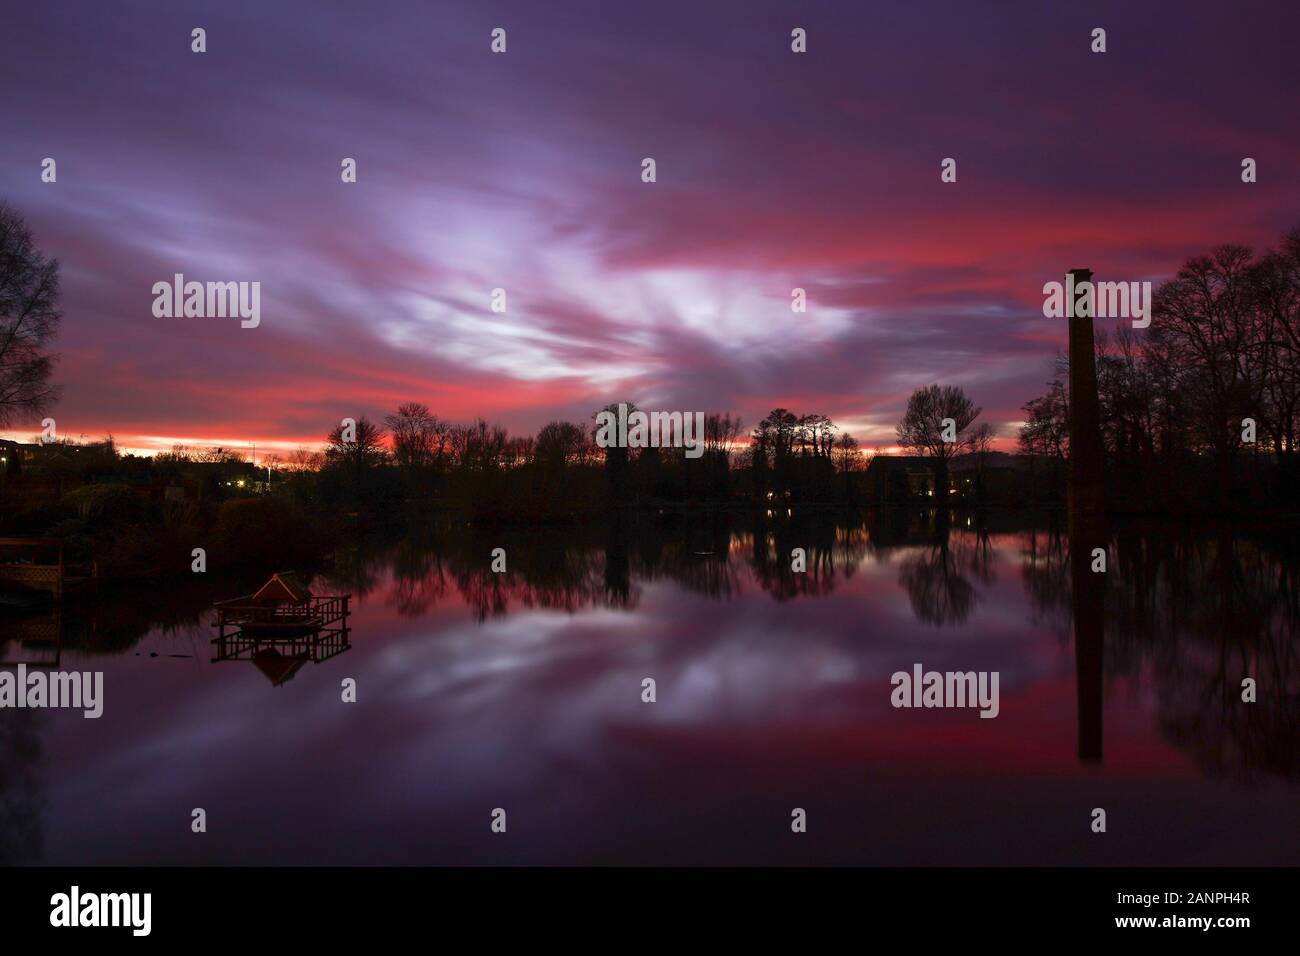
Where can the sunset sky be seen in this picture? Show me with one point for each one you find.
(522, 171)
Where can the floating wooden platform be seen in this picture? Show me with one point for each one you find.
(282, 627)
(248, 615)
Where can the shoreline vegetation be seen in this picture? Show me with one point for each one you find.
(140, 517)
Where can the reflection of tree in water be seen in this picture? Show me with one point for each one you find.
(1198, 614)
(543, 571)
(939, 592)
(420, 577)
(618, 565)
(21, 803)
(937, 576)
(699, 559)
(1045, 573)
(833, 552)
(712, 575)
(572, 567)
(1209, 613)
(113, 620)
(355, 569)
(976, 548)
(1201, 710)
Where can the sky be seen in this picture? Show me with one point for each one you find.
(522, 171)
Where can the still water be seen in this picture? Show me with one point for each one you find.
(523, 691)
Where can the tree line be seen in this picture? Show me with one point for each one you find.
(416, 457)
(1198, 404)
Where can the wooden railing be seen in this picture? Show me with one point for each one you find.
(245, 610)
(29, 573)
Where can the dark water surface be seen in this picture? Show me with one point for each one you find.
(523, 691)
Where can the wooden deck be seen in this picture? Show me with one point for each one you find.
(316, 612)
(36, 564)
(313, 630)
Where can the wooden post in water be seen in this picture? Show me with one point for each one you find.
(1087, 509)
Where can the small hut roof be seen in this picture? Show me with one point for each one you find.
(284, 586)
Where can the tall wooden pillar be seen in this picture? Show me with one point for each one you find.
(1087, 509)
(1087, 482)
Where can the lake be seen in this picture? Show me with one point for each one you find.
(523, 691)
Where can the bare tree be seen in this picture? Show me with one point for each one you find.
(304, 459)
(1207, 320)
(1046, 431)
(359, 452)
(847, 458)
(220, 456)
(480, 447)
(720, 433)
(924, 427)
(29, 321)
(178, 455)
(1277, 282)
(560, 445)
(420, 439)
(816, 433)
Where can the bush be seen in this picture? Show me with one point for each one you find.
(264, 533)
(105, 506)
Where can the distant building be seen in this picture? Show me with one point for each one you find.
(893, 479)
(993, 476)
(10, 462)
(36, 457)
(898, 478)
(17, 456)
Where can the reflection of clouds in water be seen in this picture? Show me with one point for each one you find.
(540, 706)
(714, 661)
(460, 657)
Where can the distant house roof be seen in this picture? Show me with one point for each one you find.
(964, 462)
(906, 462)
(991, 460)
(283, 587)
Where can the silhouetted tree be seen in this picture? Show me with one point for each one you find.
(774, 441)
(1206, 317)
(618, 462)
(1046, 431)
(355, 457)
(922, 427)
(720, 434)
(29, 321)
(419, 438)
(1223, 346)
